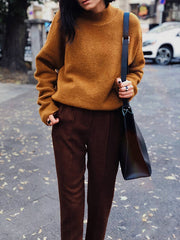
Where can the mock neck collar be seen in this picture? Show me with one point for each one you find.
(101, 17)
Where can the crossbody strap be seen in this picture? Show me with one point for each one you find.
(124, 59)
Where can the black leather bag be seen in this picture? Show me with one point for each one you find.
(134, 158)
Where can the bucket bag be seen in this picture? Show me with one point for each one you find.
(134, 158)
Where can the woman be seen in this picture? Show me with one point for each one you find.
(80, 95)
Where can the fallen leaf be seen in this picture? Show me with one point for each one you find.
(20, 187)
(8, 219)
(24, 183)
(144, 218)
(14, 215)
(15, 154)
(12, 167)
(123, 198)
(172, 177)
(46, 178)
(154, 209)
(156, 197)
(109, 237)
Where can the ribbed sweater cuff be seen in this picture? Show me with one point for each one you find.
(47, 110)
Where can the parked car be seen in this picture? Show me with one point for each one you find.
(162, 43)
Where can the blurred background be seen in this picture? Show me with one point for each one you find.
(24, 25)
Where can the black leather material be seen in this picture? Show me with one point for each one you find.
(124, 64)
(134, 158)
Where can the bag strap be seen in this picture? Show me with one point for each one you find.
(124, 64)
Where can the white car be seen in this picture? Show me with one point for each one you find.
(162, 43)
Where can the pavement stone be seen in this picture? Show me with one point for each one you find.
(11, 90)
(142, 209)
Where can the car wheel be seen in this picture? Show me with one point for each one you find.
(164, 56)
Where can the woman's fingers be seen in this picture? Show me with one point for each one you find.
(118, 81)
(52, 120)
(126, 89)
(128, 94)
(125, 83)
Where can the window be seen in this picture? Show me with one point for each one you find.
(135, 8)
(172, 11)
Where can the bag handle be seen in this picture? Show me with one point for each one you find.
(124, 64)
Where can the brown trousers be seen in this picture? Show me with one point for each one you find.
(98, 134)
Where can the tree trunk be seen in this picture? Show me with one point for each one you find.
(13, 51)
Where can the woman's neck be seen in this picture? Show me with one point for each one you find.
(100, 17)
(99, 8)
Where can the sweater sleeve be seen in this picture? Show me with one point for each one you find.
(50, 58)
(135, 52)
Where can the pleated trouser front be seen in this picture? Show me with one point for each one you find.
(97, 133)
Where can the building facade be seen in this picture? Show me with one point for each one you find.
(43, 11)
(172, 10)
(151, 12)
(124, 5)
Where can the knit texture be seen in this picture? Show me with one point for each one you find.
(87, 67)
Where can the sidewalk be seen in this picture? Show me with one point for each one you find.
(12, 90)
(144, 209)
(28, 189)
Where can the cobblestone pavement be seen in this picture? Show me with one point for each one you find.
(142, 209)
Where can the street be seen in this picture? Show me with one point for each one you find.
(143, 209)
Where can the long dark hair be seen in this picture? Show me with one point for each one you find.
(70, 11)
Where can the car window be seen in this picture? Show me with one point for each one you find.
(164, 27)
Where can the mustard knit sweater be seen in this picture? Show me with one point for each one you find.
(89, 65)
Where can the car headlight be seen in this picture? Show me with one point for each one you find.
(149, 42)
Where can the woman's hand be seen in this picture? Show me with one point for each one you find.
(52, 120)
(125, 89)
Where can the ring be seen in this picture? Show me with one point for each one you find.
(48, 122)
(126, 88)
